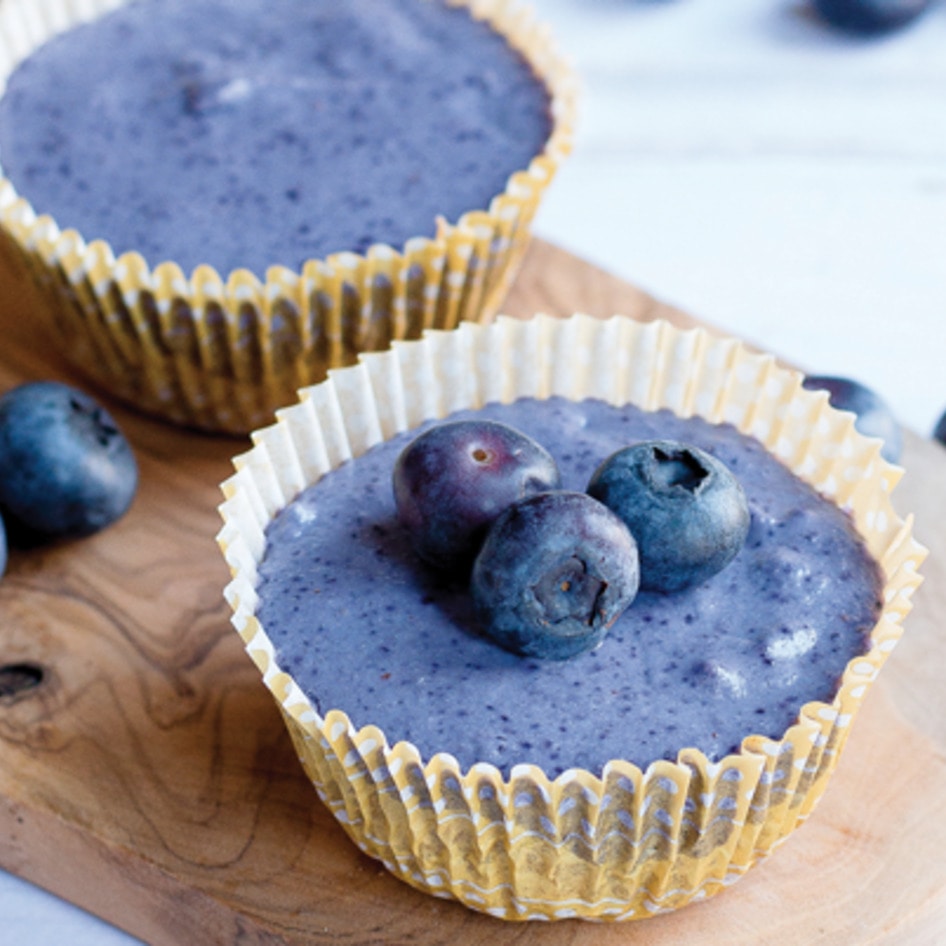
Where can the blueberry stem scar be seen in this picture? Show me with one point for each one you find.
(679, 468)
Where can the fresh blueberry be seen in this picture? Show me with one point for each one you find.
(939, 431)
(685, 508)
(454, 479)
(870, 17)
(66, 470)
(555, 572)
(873, 417)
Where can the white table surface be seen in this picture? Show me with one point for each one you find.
(777, 179)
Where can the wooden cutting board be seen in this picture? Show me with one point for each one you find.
(149, 779)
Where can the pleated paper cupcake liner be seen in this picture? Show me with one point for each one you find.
(622, 843)
(221, 352)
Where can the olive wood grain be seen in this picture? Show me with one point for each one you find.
(148, 778)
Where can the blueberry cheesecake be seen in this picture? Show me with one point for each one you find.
(591, 649)
(671, 645)
(348, 129)
(348, 174)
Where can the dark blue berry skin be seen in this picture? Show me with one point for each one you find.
(66, 470)
(939, 431)
(873, 417)
(686, 510)
(555, 572)
(454, 479)
(870, 17)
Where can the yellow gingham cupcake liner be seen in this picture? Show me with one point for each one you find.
(623, 843)
(222, 352)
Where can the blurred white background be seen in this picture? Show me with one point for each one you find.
(773, 177)
(779, 179)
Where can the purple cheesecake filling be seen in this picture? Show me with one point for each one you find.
(248, 133)
(363, 627)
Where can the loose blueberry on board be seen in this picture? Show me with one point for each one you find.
(555, 572)
(870, 17)
(686, 510)
(454, 479)
(66, 470)
(873, 417)
(939, 431)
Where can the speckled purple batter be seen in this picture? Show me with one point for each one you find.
(364, 628)
(318, 125)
